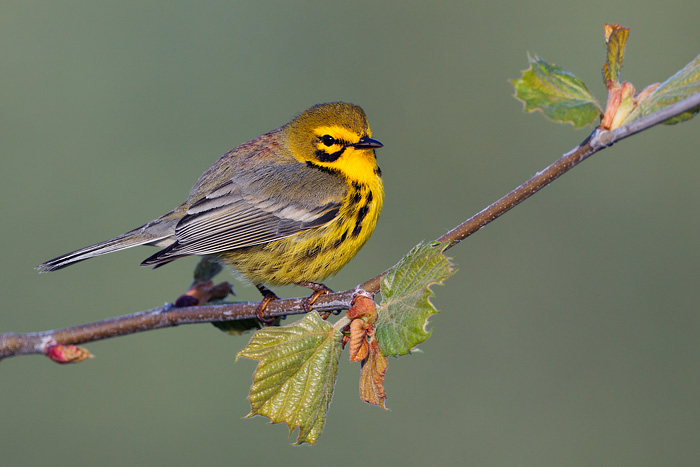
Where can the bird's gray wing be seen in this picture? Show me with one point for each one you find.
(258, 206)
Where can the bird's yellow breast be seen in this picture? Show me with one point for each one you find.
(314, 254)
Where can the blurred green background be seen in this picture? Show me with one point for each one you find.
(569, 336)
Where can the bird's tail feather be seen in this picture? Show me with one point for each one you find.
(150, 233)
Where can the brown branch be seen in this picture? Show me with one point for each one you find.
(36, 343)
(162, 317)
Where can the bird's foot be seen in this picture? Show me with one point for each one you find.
(268, 296)
(319, 289)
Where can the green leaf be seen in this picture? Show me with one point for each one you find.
(403, 314)
(561, 96)
(615, 40)
(294, 380)
(681, 85)
(239, 326)
(207, 268)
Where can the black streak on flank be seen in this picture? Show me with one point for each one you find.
(358, 228)
(356, 197)
(312, 252)
(340, 240)
(361, 213)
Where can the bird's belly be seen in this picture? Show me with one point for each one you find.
(310, 256)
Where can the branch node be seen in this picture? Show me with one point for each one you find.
(602, 139)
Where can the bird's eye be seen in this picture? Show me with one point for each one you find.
(328, 140)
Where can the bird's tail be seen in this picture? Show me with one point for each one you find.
(151, 233)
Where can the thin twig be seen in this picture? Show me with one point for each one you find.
(35, 343)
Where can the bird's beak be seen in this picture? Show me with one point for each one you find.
(367, 143)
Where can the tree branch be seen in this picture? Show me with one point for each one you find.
(12, 344)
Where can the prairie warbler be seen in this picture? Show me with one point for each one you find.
(292, 206)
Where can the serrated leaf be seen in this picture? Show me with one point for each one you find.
(560, 95)
(294, 380)
(681, 85)
(615, 40)
(403, 314)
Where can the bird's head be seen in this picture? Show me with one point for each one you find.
(337, 137)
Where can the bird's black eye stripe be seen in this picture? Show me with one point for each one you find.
(323, 155)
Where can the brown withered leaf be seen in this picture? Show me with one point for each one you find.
(201, 293)
(358, 340)
(362, 306)
(372, 376)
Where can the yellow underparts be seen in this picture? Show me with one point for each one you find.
(315, 254)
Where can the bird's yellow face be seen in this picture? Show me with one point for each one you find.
(337, 137)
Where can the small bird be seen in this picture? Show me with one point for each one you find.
(292, 206)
